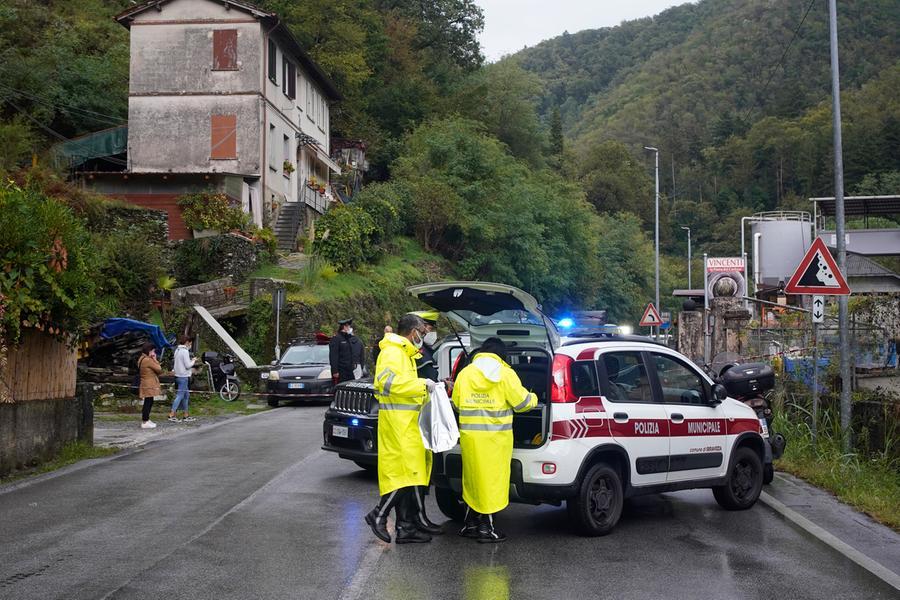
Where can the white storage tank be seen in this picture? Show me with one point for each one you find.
(784, 237)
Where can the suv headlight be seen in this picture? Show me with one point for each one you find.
(273, 375)
(264, 375)
(325, 374)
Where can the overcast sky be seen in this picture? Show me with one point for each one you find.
(511, 25)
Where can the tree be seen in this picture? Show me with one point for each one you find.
(556, 133)
(613, 180)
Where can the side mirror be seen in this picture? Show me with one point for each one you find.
(719, 393)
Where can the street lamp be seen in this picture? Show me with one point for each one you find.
(656, 227)
(688, 229)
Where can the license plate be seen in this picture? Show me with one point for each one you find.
(765, 427)
(296, 386)
(339, 431)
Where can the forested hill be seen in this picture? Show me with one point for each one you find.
(735, 123)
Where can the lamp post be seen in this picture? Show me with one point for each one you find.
(688, 229)
(656, 226)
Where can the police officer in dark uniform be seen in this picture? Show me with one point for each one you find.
(426, 365)
(345, 353)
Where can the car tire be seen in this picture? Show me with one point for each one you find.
(745, 481)
(450, 503)
(367, 466)
(273, 402)
(768, 474)
(597, 506)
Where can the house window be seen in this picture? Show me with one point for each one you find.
(292, 81)
(225, 50)
(223, 138)
(273, 160)
(308, 100)
(286, 154)
(273, 62)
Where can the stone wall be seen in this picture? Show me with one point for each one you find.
(35, 431)
(690, 335)
(210, 294)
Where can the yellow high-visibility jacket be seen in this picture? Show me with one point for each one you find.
(402, 457)
(486, 394)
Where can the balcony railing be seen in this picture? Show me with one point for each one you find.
(313, 199)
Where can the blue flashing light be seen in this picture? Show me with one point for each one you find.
(566, 323)
(354, 421)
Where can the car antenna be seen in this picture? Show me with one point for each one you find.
(458, 339)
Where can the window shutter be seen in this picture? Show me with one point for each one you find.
(223, 140)
(273, 58)
(292, 81)
(225, 49)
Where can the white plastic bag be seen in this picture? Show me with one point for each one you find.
(437, 423)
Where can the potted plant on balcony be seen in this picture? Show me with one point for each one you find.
(287, 168)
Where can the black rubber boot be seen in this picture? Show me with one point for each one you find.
(408, 533)
(419, 517)
(470, 529)
(378, 525)
(487, 533)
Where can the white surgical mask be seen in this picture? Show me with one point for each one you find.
(349, 331)
(418, 342)
(430, 338)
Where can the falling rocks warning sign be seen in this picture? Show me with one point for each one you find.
(817, 273)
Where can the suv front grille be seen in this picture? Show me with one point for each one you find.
(353, 401)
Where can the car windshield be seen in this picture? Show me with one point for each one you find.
(305, 355)
(500, 317)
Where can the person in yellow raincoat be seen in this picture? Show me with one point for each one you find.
(486, 394)
(404, 465)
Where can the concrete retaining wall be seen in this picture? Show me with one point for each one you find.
(35, 431)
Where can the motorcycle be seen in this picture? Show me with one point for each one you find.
(752, 384)
(221, 375)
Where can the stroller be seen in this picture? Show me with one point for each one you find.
(222, 378)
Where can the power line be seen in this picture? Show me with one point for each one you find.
(61, 106)
(783, 55)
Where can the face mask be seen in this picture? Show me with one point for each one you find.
(417, 340)
(349, 331)
(430, 338)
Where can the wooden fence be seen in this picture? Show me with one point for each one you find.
(41, 367)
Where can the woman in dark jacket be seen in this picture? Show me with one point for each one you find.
(150, 370)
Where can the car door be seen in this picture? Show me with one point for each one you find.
(696, 425)
(639, 422)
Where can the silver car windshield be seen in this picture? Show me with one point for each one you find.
(502, 317)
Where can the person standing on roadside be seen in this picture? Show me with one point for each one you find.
(404, 465)
(486, 394)
(182, 367)
(345, 353)
(149, 370)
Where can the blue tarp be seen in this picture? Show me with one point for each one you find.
(114, 327)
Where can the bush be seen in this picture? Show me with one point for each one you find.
(205, 259)
(48, 269)
(209, 210)
(130, 267)
(346, 237)
(388, 204)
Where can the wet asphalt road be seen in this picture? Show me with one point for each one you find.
(253, 509)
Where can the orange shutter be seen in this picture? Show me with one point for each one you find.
(224, 136)
(225, 49)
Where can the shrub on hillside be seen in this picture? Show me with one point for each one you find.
(130, 266)
(346, 236)
(211, 210)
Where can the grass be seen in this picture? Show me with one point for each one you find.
(870, 484)
(201, 404)
(70, 453)
(406, 262)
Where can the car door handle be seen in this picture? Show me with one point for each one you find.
(677, 417)
(619, 416)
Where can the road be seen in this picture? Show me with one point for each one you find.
(254, 509)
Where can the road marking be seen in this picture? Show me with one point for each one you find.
(367, 565)
(870, 565)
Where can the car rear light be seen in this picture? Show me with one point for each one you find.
(561, 386)
(455, 370)
(548, 468)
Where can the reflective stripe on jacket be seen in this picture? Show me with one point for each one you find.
(402, 457)
(486, 394)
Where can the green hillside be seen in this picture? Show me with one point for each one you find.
(704, 82)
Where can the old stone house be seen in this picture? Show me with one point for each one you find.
(222, 97)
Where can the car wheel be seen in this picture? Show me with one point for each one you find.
(230, 391)
(273, 402)
(745, 481)
(450, 503)
(768, 474)
(367, 466)
(597, 506)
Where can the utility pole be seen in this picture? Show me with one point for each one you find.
(843, 316)
(688, 229)
(656, 226)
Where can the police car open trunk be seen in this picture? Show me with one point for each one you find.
(486, 310)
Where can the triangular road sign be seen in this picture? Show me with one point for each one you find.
(818, 273)
(651, 317)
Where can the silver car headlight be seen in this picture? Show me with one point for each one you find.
(325, 374)
(273, 376)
